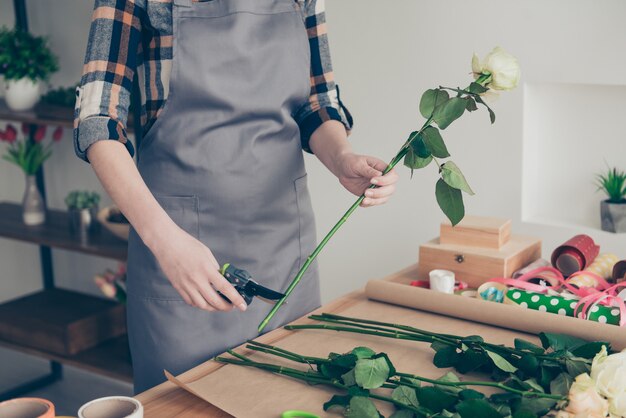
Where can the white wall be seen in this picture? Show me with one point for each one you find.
(385, 55)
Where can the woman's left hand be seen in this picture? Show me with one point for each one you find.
(358, 172)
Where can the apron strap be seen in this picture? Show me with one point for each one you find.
(182, 3)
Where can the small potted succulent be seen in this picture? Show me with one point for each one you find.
(83, 209)
(613, 209)
(25, 62)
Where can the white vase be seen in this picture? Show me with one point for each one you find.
(33, 206)
(22, 94)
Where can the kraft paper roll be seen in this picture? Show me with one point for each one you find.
(112, 407)
(27, 408)
(602, 266)
(398, 292)
(560, 305)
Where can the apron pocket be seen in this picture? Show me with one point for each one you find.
(145, 277)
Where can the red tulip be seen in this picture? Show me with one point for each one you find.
(40, 133)
(3, 136)
(57, 134)
(10, 135)
(25, 128)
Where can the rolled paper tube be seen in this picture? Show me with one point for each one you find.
(602, 266)
(560, 305)
(112, 406)
(492, 291)
(575, 254)
(619, 271)
(27, 408)
(532, 266)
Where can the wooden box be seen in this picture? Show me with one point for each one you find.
(477, 231)
(476, 265)
(61, 321)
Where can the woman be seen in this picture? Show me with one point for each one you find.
(232, 92)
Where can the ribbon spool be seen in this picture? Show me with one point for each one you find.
(575, 254)
(112, 407)
(492, 291)
(442, 281)
(601, 267)
(27, 408)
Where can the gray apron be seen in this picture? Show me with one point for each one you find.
(225, 162)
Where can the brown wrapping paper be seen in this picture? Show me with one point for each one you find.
(395, 290)
(244, 392)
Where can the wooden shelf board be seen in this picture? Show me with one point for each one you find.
(111, 358)
(46, 114)
(55, 232)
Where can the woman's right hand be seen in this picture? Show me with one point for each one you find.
(194, 272)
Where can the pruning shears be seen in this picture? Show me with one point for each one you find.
(248, 288)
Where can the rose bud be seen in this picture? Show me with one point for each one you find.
(10, 135)
(40, 133)
(57, 135)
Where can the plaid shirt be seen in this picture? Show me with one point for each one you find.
(129, 36)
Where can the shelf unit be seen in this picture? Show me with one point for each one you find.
(111, 358)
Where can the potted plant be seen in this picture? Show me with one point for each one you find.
(83, 210)
(25, 61)
(613, 209)
(29, 153)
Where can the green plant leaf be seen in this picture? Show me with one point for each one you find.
(405, 395)
(446, 357)
(529, 364)
(474, 408)
(521, 344)
(471, 394)
(434, 142)
(348, 378)
(362, 407)
(431, 99)
(577, 365)
(435, 399)
(371, 373)
(338, 400)
(589, 350)
(346, 361)
(477, 88)
(561, 385)
(559, 342)
(500, 362)
(450, 378)
(363, 352)
(449, 111)
(403, 413)
(538, 406)
(414, 162)
(524, 414)
(470, 105)
(453, 176)
(450, 201)
(419, 147)
(472, 360)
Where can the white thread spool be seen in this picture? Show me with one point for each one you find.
(442, 281)
(112, 407)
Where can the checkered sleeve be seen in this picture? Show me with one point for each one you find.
(103, 95)
(324, 101)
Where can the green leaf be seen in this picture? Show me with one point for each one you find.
(470, 105)
(589, 350)
(500, 362)
(472, 360)
(524, 414)
(431, 99)
(435, 399)
(371, 373)
(446, 357)
(538, 406)
(474, 408)
(405, 395)
(348, 378)
(414, 162)
(450, 201)
(521, 344)
(338, 400)
(403, 413)
(492, 115)
(532, 384)
(561, 385)
(363, 352)
(477, 88)
(529, 364)
(434, 142)
(438, 345)
(392, 369)
(453, 176)
(362, 407)
(577, 365)
(449, 111)
(560, 341)
(470, 394)
(419, 147)
(346, 361)
(450, 378)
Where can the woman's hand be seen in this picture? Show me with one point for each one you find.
(358, 172)
(194, 272)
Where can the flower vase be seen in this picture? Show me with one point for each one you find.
(22, 94)
(33, 208)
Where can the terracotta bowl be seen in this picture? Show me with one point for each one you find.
(121, 230)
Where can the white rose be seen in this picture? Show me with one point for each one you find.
(609, 373)
(502, 66)
(584, 401)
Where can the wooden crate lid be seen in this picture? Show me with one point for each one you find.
(477, 231)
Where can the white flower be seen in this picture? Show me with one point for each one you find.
(609, 373)
(502, 66)
(584, 400)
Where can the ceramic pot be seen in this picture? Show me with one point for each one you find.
(83, 222)
(22, 94)
(33, 207)
(112, 407)
(27, 408)
(613, 216)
